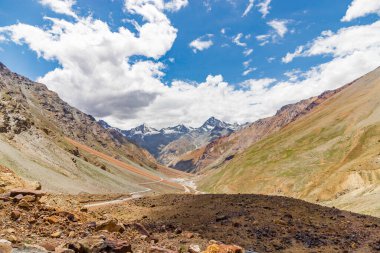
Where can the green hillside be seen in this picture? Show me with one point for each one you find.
(331, 156)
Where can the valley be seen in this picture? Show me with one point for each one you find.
(72, 184)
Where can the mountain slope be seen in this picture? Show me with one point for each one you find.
(329, 156)
(154, 140)
(224, 148)
(35, 126)
(198, 137)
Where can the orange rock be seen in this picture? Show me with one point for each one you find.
(221, 248)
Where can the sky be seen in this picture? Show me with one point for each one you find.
(169, 62)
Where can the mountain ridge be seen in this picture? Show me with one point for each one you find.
(34, 126)
(330, 156)
(157, 141)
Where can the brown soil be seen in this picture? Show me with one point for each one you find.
(255, 222)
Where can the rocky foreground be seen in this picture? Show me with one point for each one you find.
(34, 222)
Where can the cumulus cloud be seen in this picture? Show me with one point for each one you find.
(176, 5)
(249, 8)
(201, 43)
(361, 8)
(341, 44)
(97, 76)
(60, 6)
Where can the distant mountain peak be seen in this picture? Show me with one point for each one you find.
(213, 122)
(104, 124)
(144, 129)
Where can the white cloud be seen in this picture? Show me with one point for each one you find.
(96, 75)
(249, 8)
(237, 41)
(248, 52)
(202, 43)
(279, 26)
(176, 5)
(290, 56)
(361, 8)
(279, 30)
(60, 6)
(246, 63)
(264, 7)
(343, 43)
(248, 71)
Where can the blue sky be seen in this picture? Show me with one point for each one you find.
(174, 82)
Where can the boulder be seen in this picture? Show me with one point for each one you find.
(111, 226)
(222, 248)
(91, 244)
(15, 215)
(26, 192)
(97, 244)
(27, 248)
(5, 246)
(194, 248)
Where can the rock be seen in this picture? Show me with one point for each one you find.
(118, 246)
(48, 246)
(12, 238)
(111, 226)
(142, 230)
(29, 198)
(56, 234)
(17, 198)
(25, 205)
(178, 231)
(27, 248)
(194, 248)
(84, 209)
(15, 215)
(71, 234)
(154, 249)
(97, 244)
(189, 235)
(5, 246)
(52, 219)
(26, 192)
(35, 185)
(91, 244)
(63, 250)
(222, 248)
(221, 218)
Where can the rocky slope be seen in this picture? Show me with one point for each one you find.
(35, 126)
(181, 223)
(198, 137)
(154, 140)
(223, 149)
(329, 156)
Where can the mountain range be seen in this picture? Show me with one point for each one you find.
(167, 144)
